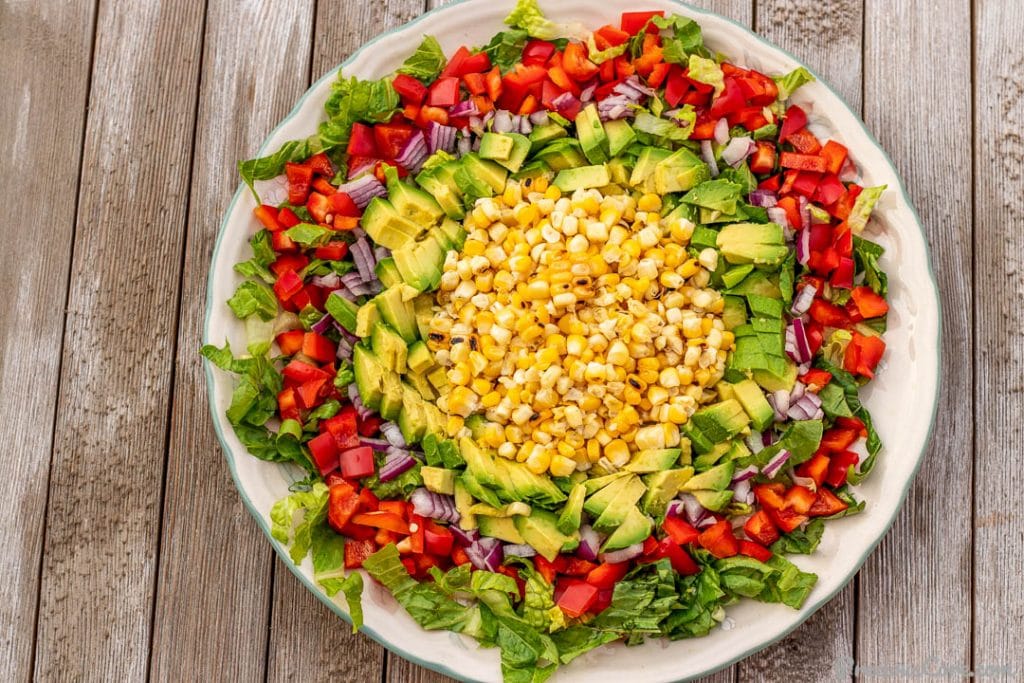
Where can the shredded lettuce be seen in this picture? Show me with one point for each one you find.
(601, 56)
(253, 298)
(867, 254)
(312, 505)
(527, 16)
(426, 62)
(271, 166)
(506, 48)
(863, 207)
(852, 395)
(800, 541)
(686, 38)
(707, 71)
(790, 82)
(263, 255)
(664, 129)
(309, 234)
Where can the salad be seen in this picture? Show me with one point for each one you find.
(566, 333)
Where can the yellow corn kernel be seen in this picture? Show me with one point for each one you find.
(590, 403)
(461, 401)
(480, 386)
(649, 202)
(539, 184)
(727, 339)
(671, 432)
(532, 333)
(648, 376)
(536, 289)
(593, 450)
(562, 466)
(677, 414)
(650, 437)
(685, 375)
(689, 268)
(631, 247)
(703, 376)
(565, 449)
(493, 435)
(556, 342)
(490, 399)
(539, 458)
(553, 193)
(617, 452)
(657, 395)
(631, 396)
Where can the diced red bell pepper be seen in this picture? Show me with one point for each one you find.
(816, 468)
(332, 251)
(719, 540)
(799, 499)
(869, 304)
(370, 425)
(381, 520)
(704, 130)
(287, 404)
(300, 176)
(342, 503)
(773, 183)
(343, 428)
(802, 162)
(577, 599)
(409, 89)
(460, 556)
(437, 540)
(368, 500)
(827, 504)
(383, 537)
(770, 496)
(816, 378)
(839, 467)
(398, 507)
(341, 204)
(659, 74)
(679, 530)
(795, 119)
(755, 550)
(760, 528)
(676, 85)
(854, 423)
(547, 569)
(763, 159)
(805, 142)
(835, 155)
(298, 372)
(287, 218)
(828, 314)
(475, 84)
(805, 182)
(324, 452)
(357, 463)
(678, 558)
(290, 342)
(356, 553)
(576, 63)
(538, 52)
(791, 206)
(575, 566)
(605, 576)
(729, 101)
(391, 138)
(416, 542)
(267, 216)
(787, 519)
(493, 82)
(759, 90)
(444, 92)
(310, 393)
(633, 22)
(829, 189)
(837, 439)
(318, 347)
(318, 207)
(862, 354)
(843, 275)
(359, 532)
(324, 187)
(288, 285)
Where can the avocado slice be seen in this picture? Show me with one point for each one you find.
(463, 501)
(478, 491)
(438, 377)
(455, 232)
(516, 157)
(615, 513)
(635, 528)
(540, 530)
(582, 178)
(594, 485)
(720, 421)
(679, 172)
(502, 528)
(397, 312)
(717, 478)
(753, 400)
(419, 358)
(386, 226)
(479, 462)
(411, 202)
(345, 312)
(438, 479)
(757, 243)
(543, 134)
(496, 146)
(423, 311)
(562, 154)
(647, 160)
(663, 487)
(422, 385)
(713, 500)
(489, 172)
(777, 380)
(734, 313)
(369, 374)
(572, 513)
(440, 182)
(389, 347)
(419, 263)
(366, 317)
(386, 272)
(629, 488)
(653, 460)
(391, 402)
(735, 275)
(412, 420)
(590, 132)
(620, 136)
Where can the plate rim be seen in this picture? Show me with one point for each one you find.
(808, 609)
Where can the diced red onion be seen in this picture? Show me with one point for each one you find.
(363, 189)
(766, 437)
(805, 407)
(357, 402)
(520, 550)
(615, 107)
(396, 462)
(742, 492)
(322, 325)
(464, 536)
(738, 149)
(805, 212)
(516, 120)
(590, 541)
(393, 434)
(848, 171)
(764, 198)
(722, 132)
(502, 122)
(434, 505)
(797, 345)
(365, 164)
(777, 215)
(747, 472)
(624, 555)
(775, 464)
(779, 402)
(739, 520)
(344, 349)
(329, 281)
(464, 108)
(675, 508)
(486, 554)
(476, 145)
(695, 512)
(803, 368)
(797, 391)
(636, 84)
(464, 146)
(802, 302)
(353, 281)
(754, 442)
(414, 153)
(379, 445)
(706, 521)
(588, 93)
(803, 247)
(565, 102)
(539, 118)
(440, 137)
(525, 127)
(362, 255)
(708, 154)
(806, 482)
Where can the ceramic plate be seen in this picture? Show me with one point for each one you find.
(902, 398)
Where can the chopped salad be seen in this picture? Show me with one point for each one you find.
(567, 333)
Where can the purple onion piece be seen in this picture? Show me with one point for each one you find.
(414, 153)
(329, 281)
(520, 550)
(746, 473)
(539, 118)
(379, 445)
(766, 199)
(803, 247)
(742, 492)
(393, 434)
(397, 462)
(589, 543)
(624, 555)
(364, 165)
(675, 508)
(754, 442)
(322, 325)
(363, 189)
(777, 215)
(465, 108)
(738, 149)
(502, 122)
(434, 505)
(463, 536)
(803, 300)
(708, 154)
(721, 132)
(775, 464)
(362, 255)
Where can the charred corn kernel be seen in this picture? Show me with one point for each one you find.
(617, 452)
(562, 466)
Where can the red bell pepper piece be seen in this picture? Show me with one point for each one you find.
(828, 314)
(368, 501)
(834, 155)
(763, 159)
(760, 528)
(837, 439)
(287, 218)
(324, 452)
(577, 599)
(537, 52)
(719, 540)
(770, 496)
(605, 576)
(288, 285)
(854, 423)
(267, 216)
(333, 251)
(576, 63)
(787, 519)
(324, 187)
(839, 467)
(633, 22)
(318, 207)
(370, 425)
(444, 92)
(437, 540)
(575, 566)
(290, 342)
(802, 162)
(729, 100)
(318, 347)
(409, 89)
(816, 378)
(398, 507)
(381, 520)
(475, 84)
(795, 119)
(799, 499)
(805, 182)
(342, 503)
(829, 189)
(676, 85)
(827, 504)
(816, 468)
(358, 532)
(343, 428)
(460, 556)
(356, 553)
(310, 393)
(755, 550)
(357, 463)
(843, 275)
(391, 138)
(805, 142)
(760, 90)
(299, 178)
(678, 558)
(287, 404)
(548, 569)
(679, 530)
(869, 304)
(862, 354)
(792, 209)
(658, 74)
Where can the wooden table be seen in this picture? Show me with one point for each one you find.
(128, 552)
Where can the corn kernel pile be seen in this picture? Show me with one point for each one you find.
(580, 327)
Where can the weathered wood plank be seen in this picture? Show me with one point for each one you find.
(212, 607)
(807, 29)
(307, 641)
(913, 608)
(999, 389)
(99, 560)
(42, 114)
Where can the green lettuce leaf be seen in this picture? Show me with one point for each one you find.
(271, 166)
(863, 207)
(527, 16)
(867, 253)
(506, 48)
(706, 71)
(601, 56)
(313, 506)
(263, 255)
(538, 607)
(578, 640)
(253, 298)
(426, 62)
(852, 395)
(788, 83)
(664, 129)
(800, 541)
(641, 601)
(685, 39)
(309, 234)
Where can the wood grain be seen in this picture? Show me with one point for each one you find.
(999, 387)
(211, 617)
(307, 641)
(913, 608)
(103, 516)
(807, 29)
(45, 81)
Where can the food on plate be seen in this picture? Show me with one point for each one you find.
(567, 332)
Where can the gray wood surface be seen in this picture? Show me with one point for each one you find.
(133, 557)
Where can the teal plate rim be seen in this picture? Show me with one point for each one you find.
(808, 609)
